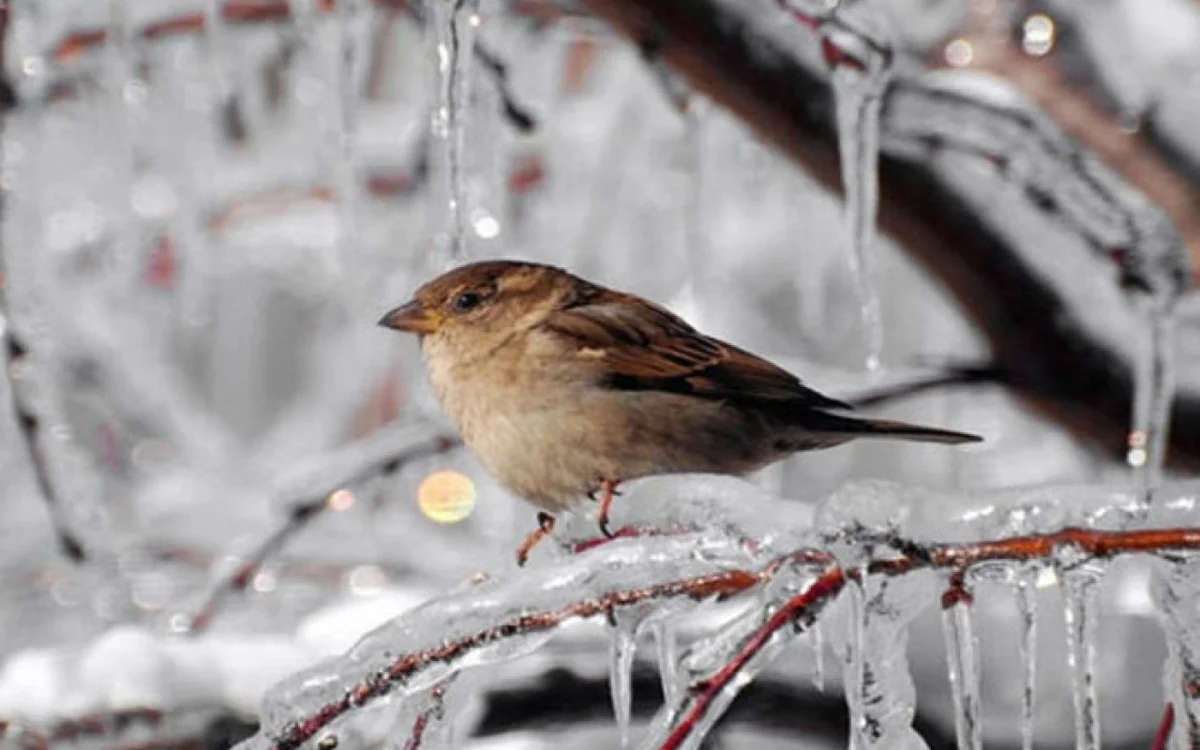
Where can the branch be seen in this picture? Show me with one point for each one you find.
(400, 670)
(797, 612)
(1042, 332)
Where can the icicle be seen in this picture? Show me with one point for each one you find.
(817, 635)
(1026, 590)
(879, 688)
(1079, 593)
(620, 675)
(1154, 387)
(859, 81)
(695, 253)
(454, 24)
(667, 646)
(963, 660)
(350, 74)
(852, 661)
(1178, 600)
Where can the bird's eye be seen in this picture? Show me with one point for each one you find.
(467, 301)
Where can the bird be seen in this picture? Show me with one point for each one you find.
(564, 388)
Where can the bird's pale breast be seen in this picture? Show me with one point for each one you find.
(551, 436)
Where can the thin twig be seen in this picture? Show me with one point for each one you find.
(1163, 735)
(298, 518)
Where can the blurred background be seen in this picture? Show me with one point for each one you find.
(218, 470)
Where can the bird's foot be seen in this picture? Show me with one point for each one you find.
(545, 527)
(608, 491)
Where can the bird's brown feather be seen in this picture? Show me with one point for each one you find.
(645, 347)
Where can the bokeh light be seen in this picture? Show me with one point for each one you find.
(1038, 36)
(446, 497)
(959, 53)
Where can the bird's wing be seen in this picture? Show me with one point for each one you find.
(638, 345)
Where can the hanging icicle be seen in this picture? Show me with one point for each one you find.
(860, 66)
(666, 642)
(452, 25)
(1026, 591)
(1154, 388)
(963, 662)
(1079, 595)
(349, 75)
(622, 648)
(817, 637)
(1178, 598)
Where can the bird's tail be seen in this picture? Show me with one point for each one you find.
(853, 427)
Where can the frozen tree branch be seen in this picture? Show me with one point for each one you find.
(1043, 332)
(865, 542)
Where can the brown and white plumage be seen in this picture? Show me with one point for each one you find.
(557, 384)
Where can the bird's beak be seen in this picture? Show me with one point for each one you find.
(412, 317)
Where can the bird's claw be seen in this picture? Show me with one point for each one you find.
(545, 527)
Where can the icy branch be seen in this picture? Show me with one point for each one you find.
(873, 533)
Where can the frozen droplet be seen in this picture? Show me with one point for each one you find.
(486, 225)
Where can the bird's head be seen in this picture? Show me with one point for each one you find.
(480, 301)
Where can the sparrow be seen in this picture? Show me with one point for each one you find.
(563, 388)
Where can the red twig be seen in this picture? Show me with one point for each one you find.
(1164, 728)
(434, 713)
(89, 727)
(800, 609)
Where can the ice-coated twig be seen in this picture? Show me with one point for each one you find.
(1163, 735)
(108, 726)
(29, 428)
(352, 466)
(430, 712)
(576, 592)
